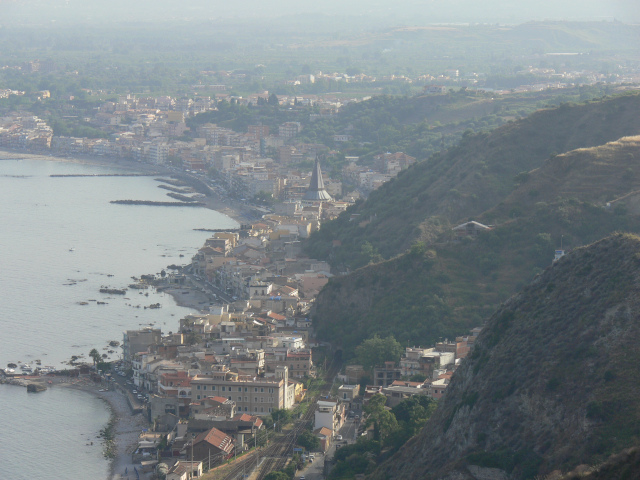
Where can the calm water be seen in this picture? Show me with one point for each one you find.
(42, 284)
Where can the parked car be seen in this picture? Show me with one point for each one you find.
(339, 437)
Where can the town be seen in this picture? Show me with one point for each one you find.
(234, 374)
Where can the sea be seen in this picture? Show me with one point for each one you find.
(61, 240)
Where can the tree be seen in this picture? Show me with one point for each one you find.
(277, 476)
(281, 417)
(384, 422)
(95, 356)
(375, 351)
(308, 441)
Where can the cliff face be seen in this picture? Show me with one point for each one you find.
(552, 382)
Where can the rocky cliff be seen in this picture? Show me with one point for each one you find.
(553, 380)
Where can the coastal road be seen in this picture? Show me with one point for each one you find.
(210, 289)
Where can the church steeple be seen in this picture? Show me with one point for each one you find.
(316, 191)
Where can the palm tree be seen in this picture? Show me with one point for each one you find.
(95, 355)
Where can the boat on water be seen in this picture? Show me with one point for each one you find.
(27, 369)
(10, 370)
(72, 249)
(12, 365)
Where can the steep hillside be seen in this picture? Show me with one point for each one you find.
(443, 289)
(597, 175)
(468, 179)
(552, 382)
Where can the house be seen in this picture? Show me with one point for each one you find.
(470, 229)
(346, 393)
(385, 376)
(213, 408)
(401, 390)
(212, 443)
(324, 434)
(183, 470)
(423, 361)
(438, 388)
(354, 373)
(329, 414)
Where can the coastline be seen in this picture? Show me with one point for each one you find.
(127, 426)
(226, 206)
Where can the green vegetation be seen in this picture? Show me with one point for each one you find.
(466, 180)
(107, 434)
(308, 441)
(555, 366)
(375, 351)
(441, 289)
(392, 429)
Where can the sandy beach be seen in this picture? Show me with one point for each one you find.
(127, 427)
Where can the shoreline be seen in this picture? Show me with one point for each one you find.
(226, 206)
(127, 426)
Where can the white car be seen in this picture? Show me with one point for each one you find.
(339, 437)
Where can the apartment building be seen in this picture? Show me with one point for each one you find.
(253, 395)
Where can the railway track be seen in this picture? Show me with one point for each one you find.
(276, 454)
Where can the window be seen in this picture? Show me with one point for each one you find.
(229, 397)
(262, 409)
(246, 399)
(262, 390)
(255, 389)
(198, 397)
(239, 389)
(239, 399)
(213, 387)
(198, 387)
(246, 389)
(224, 389)
(204, 387)
(246, 409)
(270, 410)
(255, 399)
(261, 399)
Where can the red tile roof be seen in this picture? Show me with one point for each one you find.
(217, 439)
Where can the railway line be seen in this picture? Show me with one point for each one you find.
(275, 456)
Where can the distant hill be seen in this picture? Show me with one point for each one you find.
(441, 290)
(467, 180)
(552, 382)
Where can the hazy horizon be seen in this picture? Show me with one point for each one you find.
(25, 12)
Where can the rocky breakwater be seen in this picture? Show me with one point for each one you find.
(35, 388)
(158, 204)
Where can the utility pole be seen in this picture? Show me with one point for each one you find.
(191, 467)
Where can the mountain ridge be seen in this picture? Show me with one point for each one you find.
(551, 383)
(424, 200)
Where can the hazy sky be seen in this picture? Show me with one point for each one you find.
(398, 11)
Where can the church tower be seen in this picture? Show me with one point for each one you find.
(316, 191)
